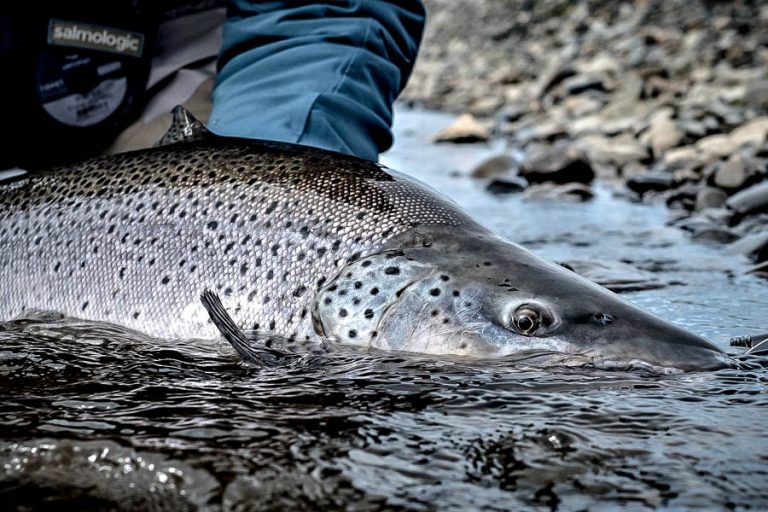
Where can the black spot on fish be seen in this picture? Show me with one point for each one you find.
(327, 300)
(366, 264)
(342, 312)
(445, 278)
(392, 271)
(358, 285)
(272, 325)
(85, 305)
(487, 263)
(272, 207)
(298, 292)
(434, 312)
(135, 314)
(456, 293)
(165, 280)
(270, 274)
(434, 292)
(374, 291)
(212, 225)
(353, 333)
(243, 269)
(368, 313)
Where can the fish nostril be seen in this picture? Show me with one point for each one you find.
(602, 318)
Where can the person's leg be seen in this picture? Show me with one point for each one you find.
(322, 74)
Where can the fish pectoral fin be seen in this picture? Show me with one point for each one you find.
(184, 128)
(258, 353)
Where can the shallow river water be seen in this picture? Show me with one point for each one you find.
(96, 418)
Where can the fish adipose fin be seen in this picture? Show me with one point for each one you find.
(258, 355)
(184, 128)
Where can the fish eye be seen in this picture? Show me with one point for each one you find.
(602, 318)
(526, 320)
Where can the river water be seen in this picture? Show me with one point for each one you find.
(97, 418)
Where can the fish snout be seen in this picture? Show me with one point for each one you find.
(665, 345)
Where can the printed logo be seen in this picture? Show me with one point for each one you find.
(95, 37)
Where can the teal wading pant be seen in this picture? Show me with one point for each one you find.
(322, 74)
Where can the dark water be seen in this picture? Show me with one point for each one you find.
(97, 418)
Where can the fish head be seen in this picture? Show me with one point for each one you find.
(487, 297)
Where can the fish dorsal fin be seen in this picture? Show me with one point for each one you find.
(184, 128)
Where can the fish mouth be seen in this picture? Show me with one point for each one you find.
(700, 358)
(586, 360)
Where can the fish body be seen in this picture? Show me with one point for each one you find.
(305, 244)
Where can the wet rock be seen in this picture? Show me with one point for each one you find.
(756, 94)
(562, 162)
(507, 185)
(704, 229)
(584, 82)
(663, 133)
(734, 173)
(749, 225)
(717, 145)
(486, 105)
(686, 175)
(686, 156)
(750, 201)
(582, 105)
(752, 133)
(760, 270)
(540, 130)
(498, 165)
(650, 182)
(465, 129)
(571, 192)
(754, 246)
(553, 74)
(710, 197)
(720, 216)
(684, 196)
(617, 151)
(617, 276)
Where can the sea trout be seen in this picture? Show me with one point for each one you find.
(305, 244)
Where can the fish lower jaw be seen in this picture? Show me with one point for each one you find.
(633, 365)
